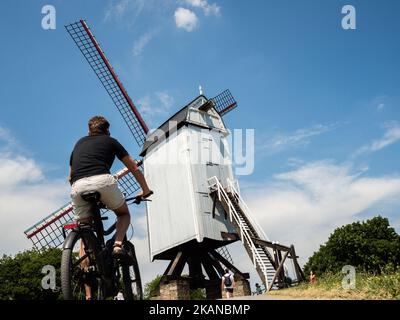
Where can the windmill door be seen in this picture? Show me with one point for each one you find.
(210, 157)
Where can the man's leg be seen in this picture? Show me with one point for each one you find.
(84, 265)
(123, 221)
(82, 215)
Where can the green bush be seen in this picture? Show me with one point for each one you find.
(388, 283)
(369, 246)
(151, 287)
(198, 294)
(21, 277)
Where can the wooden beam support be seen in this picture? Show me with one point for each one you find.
(214, 198)
(277, 271)
(208, 266)
(299, 273)
(175, 269)
(282, 273)
(195, 269)
(269, 244)
(227, 264)
(215, 263)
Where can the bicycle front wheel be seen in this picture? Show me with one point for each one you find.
(80, 278)
(132, 283)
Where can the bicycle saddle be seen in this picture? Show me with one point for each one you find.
(91, 196)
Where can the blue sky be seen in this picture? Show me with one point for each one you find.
(323, 101)
(289, 64)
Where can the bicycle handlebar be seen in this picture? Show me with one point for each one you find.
(139, 198)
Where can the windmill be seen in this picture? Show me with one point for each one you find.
(198, 209)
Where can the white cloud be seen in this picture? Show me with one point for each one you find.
(6, 137)
(298, 138)
(185, 19)
(305, 205)
(391, 136)
(8, 143)
(25, 196)
(16, 170)
(166, 100)
(141, 43)
(118, 9)
(379, 102)
(157, 104)
(208, 9)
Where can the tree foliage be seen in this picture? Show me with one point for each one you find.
(21, 275)
(151, 288)
(369, 246)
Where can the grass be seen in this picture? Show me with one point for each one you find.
(329, 286)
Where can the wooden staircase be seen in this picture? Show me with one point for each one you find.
(266, 255)
(247, 230)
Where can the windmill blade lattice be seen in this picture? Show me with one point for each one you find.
(224, 102)
(91, 50)
(48, 232)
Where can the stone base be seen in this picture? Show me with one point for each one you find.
(174, 290)
(242, 288)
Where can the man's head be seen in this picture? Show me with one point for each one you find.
(98, 125)
(226, 271)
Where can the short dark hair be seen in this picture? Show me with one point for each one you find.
(98, 125)
(226, 271)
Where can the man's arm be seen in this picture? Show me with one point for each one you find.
(132, 167)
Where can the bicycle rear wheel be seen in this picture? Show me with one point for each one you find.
(132, 283)
(79, 271)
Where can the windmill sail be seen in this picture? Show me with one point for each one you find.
(91, 50)
(224, 102)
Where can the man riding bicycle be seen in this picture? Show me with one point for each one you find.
(90, 164)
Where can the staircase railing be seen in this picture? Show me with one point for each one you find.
(215, 185)
(233, 186)
(243, 205)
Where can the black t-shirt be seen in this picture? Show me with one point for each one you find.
(93, 155)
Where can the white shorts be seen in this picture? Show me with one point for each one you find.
(110, 195)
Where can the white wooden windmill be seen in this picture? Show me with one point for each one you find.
(197, 209)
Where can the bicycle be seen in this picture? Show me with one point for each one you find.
(94, 267)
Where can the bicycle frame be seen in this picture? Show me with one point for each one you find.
(96, 225)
